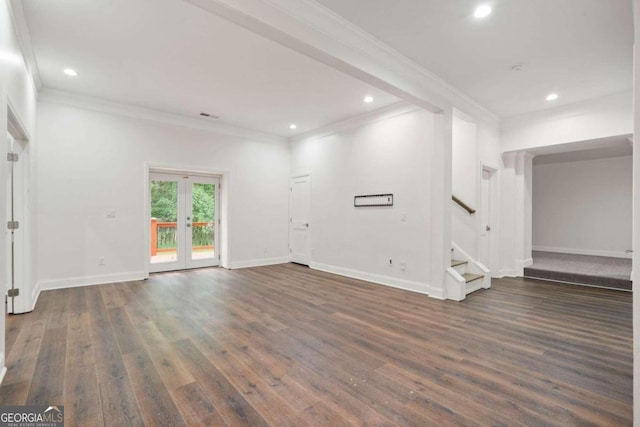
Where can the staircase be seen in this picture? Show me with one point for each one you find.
(465, 275)
(472, 281)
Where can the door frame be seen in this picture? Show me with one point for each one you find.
(25, 301)
(291, 178)
(222, 210)
(494, 202)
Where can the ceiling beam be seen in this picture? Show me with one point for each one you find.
(313, 30)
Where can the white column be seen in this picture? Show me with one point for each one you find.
(508, 215)
(636, 219)
(516, 213)
(440, 221)
(524, 220)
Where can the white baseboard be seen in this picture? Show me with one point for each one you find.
(74, 282)
(3, 372)
(613, 254)
(258, 262)
(524, 263)
(394, 282)
(36, 294)
(508, 273)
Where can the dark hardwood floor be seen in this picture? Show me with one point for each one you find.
(289, 346)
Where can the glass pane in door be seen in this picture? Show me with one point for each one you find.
(164, 219)
(203, 208)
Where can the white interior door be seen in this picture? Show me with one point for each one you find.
(16, 242)
(184, 221)
(485, 218)
(299, 220)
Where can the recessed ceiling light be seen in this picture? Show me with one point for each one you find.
(482, 11)
(552, 97)
(71, 72)
(293, 126)
(368, 99)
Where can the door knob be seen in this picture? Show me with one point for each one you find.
(188, 225)
(306, 224)
(487, 228)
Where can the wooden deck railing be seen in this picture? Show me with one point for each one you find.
(163, 236)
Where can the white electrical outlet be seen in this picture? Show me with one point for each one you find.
(403, 265)
(111, 213)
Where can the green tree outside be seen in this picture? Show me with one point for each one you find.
(164, 201)
(164, 205)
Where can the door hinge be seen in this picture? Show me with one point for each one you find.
(218, 221)
(219, 258)
(13, 225)
(13, 292)
(12, 157)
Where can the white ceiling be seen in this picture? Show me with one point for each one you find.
(171, 56)
(578, 48)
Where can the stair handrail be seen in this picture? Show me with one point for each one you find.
(463, 205)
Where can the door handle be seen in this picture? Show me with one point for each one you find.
(306, 224)
(486, 227)
(188, 224)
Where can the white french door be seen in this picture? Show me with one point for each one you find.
(184, 221)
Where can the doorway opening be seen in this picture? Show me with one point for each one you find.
(488, 217)
(184, 222)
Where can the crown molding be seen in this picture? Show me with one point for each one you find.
(104, 106)
(382, 113)
(315, 31)
(574, 109)
(24, 40)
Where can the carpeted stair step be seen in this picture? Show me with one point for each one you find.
(468, 277)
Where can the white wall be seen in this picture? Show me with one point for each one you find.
(18, 90)
(583, 207)
(91, 161)
(475, 143)
(386, 156)
(464, 168)
(598, 118)
(635, 274)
